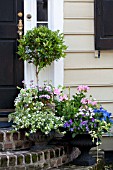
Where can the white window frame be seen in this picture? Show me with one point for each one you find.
(55, 72)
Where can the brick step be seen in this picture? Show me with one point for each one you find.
(10, 140)
(55, 158)
(15, 155)
(70, 166)
(27, 160)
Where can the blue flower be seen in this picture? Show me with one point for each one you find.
(104, 114)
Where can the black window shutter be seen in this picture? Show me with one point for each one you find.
(103, 24)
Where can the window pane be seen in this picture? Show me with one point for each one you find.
(45, 24)
(42, 10)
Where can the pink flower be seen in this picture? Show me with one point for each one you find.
(56, 91)
(82, 88)
(48, 89)
(44, 96)
(64, 97)
(84, 101)
(89, 102)
(94, 103)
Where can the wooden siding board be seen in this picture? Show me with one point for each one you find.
(88, 77)
(78, 9)
(79, 42)
(97, 92)
(81, 26)
(72, 60)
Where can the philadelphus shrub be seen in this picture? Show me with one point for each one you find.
(32, 115)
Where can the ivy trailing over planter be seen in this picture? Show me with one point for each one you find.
(41, 46)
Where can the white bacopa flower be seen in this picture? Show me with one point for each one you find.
(87, 113)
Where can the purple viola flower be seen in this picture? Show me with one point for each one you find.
(70, 121)
(92, 119)
(66, 125)
(95, 125)
(87, 129)
(71, 129)
(84, 122)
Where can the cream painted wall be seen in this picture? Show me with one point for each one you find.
(81, 66)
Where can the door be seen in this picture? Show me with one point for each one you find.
(11, 68)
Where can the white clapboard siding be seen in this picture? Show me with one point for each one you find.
(80, 42)
(83, 26)
(88, 60)
(100, 93)
(89, 76)
(78, 9)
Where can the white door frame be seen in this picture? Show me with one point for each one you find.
(55, 22)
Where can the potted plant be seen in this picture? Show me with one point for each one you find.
(35, 112)
(34, 106)
(85, 123)
(41, 46)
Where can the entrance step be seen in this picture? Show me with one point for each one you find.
(10, 140)
(31, 160)
(54, 158)
(17, 153)
(4, 118)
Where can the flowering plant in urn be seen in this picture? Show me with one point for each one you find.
(83, 114)
(35, 108)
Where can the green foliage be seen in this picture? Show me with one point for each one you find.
(32, 114)
(42, 46)
(68, 108)
(83, 114)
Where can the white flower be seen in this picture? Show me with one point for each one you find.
(87, 113)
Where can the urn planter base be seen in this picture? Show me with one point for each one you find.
(84, 159)
(84, 143)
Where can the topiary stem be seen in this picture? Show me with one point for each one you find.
(37, 72)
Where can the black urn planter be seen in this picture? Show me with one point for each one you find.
(84, 143)
(40, 140)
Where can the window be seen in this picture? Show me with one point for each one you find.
(103, 24)
(42, 12)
